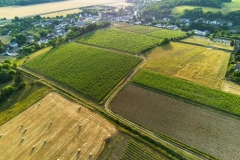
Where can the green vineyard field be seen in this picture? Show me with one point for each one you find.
(135, 151)
(190, 91)
(91, 71)
(140, 29)
(120, 40)
(163, 33)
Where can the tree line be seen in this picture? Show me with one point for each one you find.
(8, 73)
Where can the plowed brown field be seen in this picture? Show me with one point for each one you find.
(200, 128)
(52, 132)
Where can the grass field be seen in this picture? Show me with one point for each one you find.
(200, 128)
(190, 91)
(164, 33)
(20, 101)
(55, 128)
(5, 39)
(139, 29)
(226, 8)
(198, 64)
(93, 72)
(206, 42)
(32, 56)
(3, 58)
(120, 40)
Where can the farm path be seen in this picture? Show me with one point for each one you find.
(64, 89)
(156, 137)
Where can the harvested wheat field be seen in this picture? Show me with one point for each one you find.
(54, 128)
(201, 65)
(203, 129)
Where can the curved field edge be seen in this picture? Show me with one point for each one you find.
(121, 40)
(159, 144)
(23, 104)
(223, 101)
(91, 71)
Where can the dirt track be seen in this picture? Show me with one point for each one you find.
(200, 128)
(57, 120)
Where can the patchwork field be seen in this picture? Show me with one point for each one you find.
(54, 128)
(164, 33)
(226, 7)
(189, 91)
(202, 65)
(92, 71)
(138, 29)
(197, 127)
(206, 42)
(120, 40)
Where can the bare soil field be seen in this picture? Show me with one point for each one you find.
(231, 87)
(22, 11)
(201, 65)
(203, 129)
(54, 128)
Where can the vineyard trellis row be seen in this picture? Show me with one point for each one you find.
(120, 40)
(93, 72)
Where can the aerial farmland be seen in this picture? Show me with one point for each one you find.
(55, 128)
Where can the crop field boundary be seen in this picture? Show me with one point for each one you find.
(227, 50)
(29, 71)
(219, 111)
(139, 131)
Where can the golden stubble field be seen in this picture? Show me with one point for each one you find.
(21, 11)
(54, 128)
(201, 65)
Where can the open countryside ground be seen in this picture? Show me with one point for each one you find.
(189, 91)
(198, 64)
(119, 40)
(57, 120)
(92, 71)
(125, 147)
(197, 127)
(5, 39)
(206, 42)
(61, 13)
(138, 29)
(226, 7)
(22, 11)
(164, 33)
(231, 87)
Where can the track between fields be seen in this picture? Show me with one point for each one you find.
(158, 138)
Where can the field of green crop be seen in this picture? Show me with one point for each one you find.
(190, 91)
(135, 151)
(120, 40)
(226, 8)
(163, 33)
(91, 71)
(139, 29)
